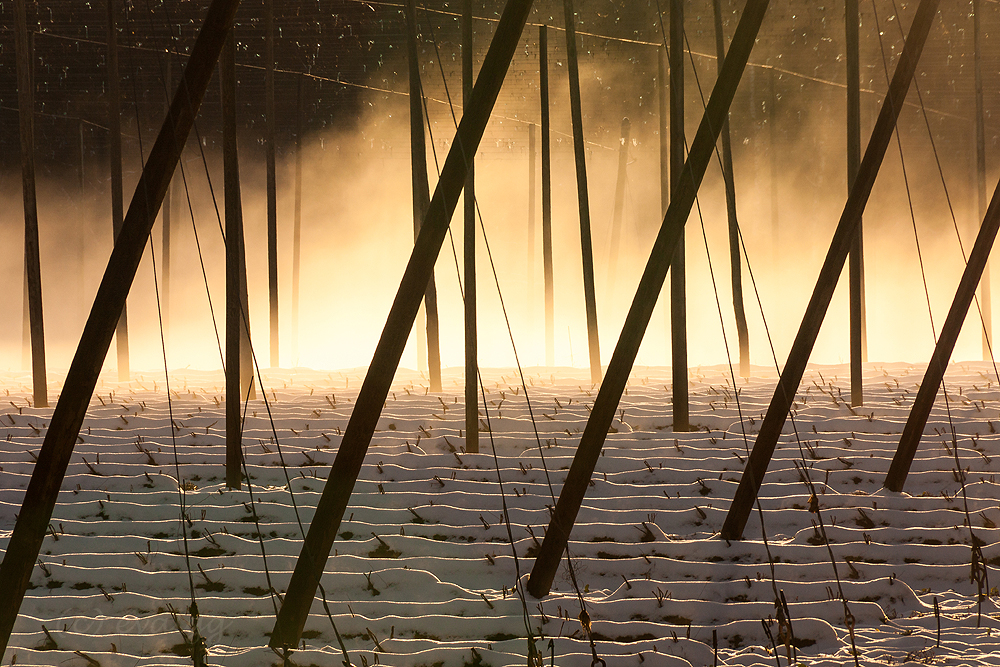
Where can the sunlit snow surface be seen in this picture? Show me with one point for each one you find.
(656, 579)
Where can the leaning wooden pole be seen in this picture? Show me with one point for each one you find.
(115, 153)
(580, 153)
(469, 254)
(547, 272)
(985, 297)
(856, 263)
(78, 389)
(736, 269)
(819, 303)
(32, 264)
(678, 279)
(272, 186)
(368, 406)
(619, 206)
(234, 232)
(934, 374)
(650, 285)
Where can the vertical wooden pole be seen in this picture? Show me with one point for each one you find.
(736, 270)
(985, 298)
(772, 155)
(368, 406)
(234, 231)
(81, 240)
(650, 285)
(78, 389)
(165, 239)
(32, 264)
(934, 374)
(856, 260)
(532, 206)
(582, 194)
(662, 97)
(833, 265)
(619, 206)
(547, 273)
(115, 151)
(469, 253)
(272, 188)
(678, 288)
(297, 223)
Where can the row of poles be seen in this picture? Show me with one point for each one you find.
(215, 44)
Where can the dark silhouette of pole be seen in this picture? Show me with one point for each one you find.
(662, 97)
(115, 152)
(678, 288)
(297, 223)
(375, 388)
(580, 153)
(547, 275)
(985, 298)
(736, 270)
(234, 284)
(859, 351)
(934, 374)
(166, 222)
(32, 264)
(78, 389)
(469, 253)
(619, 206)
(650, 285)
(272, 187)
(421, 201)
(833, 265)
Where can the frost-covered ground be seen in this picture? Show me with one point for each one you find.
(423, 571)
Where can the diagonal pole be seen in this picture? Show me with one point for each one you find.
(934, 374)
(368, 406)
(819, 303)
(650, 285)
(47, 476)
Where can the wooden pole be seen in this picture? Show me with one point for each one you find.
(593, 341)
(856, 261)
(843, 239)
(663, 96)
(272, 188)
(368, 406)
(81, 240)
(32, 264)
(736, 270)
(115, 151)
(47, 476)
(650, 285)
(678, 289)
(469, 253)
(934, 374)
(532, 232)
(547, 273)
(985, 298)
(297, 224)
(619, 206)
(772, 154)
(165, 238)
(234, 232)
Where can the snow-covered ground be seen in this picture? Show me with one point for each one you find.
(423, 571)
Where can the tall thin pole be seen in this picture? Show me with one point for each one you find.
(735, 264)
(166, 221)
(115, 151)
(650, 285)
(234, 231)
(663, 105)
(532, 215)
(586, 244)
(922, 404)
(772, 155)
(833, 265)
(32, 264)
(985, 300)
(678, 288)
(619, 206)
(368, 405)
(81, 241)
(469, 253)
(272, 188)
(78, 389)
(856, 260)
(297, 223)
(543, 86)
